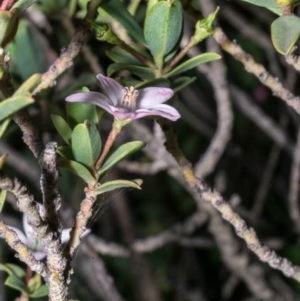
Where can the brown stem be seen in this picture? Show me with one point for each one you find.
(108, 144)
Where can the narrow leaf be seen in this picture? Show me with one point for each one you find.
(3, 126)
(3, 194)
(116, 184)
(16, 283)
(194, 62)
(77, 169)
(285, 32)
(120, 153)
(24, 4)
(119, 12)
(41, 291)
(62, 128)
(14, 104)
(140, 71)
(86, 143)
(29, 85)
(182, 82)
(268, 4)
(12, 269)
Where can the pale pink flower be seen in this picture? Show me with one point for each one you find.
(128, 103)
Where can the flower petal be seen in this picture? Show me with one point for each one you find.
(111, 88)
(162, 110)
(95, 98)
(122, 113)
(152, 96)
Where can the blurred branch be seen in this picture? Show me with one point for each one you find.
(260, 119)
(294, 185)
(248, 234)
(22, 250)
(256, 69)
(176, 234)
(236, 260)
(56, 263)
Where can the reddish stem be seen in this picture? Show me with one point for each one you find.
(6, 4)
(108, 144)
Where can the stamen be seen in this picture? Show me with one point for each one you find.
(129, 98)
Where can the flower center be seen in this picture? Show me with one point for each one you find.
(129, 98)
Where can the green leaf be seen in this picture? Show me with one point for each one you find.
(116, 184)
(24, 4)
(12, 269)
(3, 126)
(140, 71)
(65, 152)
(34, 283)
(86, 143)
(29, 85)
(13, 104)
(62, 128)
(32, 59)
(3, 194)
(16, 283)
(79, 112)
(119, 55)
(163, 26)
(268, 4)
(77, 169)
(35, 287)
(41, 291)
(285, 32)
(181, 82)
(120, 153)
(118, 11)
(194, 62)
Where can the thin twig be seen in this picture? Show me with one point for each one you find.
(22, 250)
(200, 189)
(258, 70)
(294, 185)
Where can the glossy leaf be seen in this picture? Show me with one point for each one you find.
(79, 112)
(65, 152)
(182, 82)
(77, 169)
(62, 128)
(3, 194)
(285, 32)
(13, 104)
(119, 55)
(24, 4)
(3, 126)
(119, 12)
(41, 291)
(35, 287)
(268, 4)
(29, 85)
(34, 283)
(15, 278)
(86, 143)
(116, 184)
(140, 71)
(163, 25)
(120, 153)
(8, 25)
(12, 269)
(32, 59)
(16, 283)
(194, 62)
